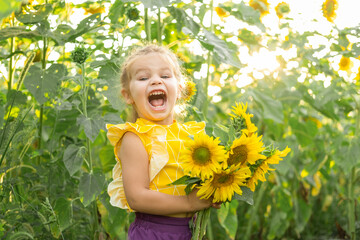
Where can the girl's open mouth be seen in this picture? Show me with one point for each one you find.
(157, 99)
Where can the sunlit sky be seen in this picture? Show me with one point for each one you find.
(303, 12)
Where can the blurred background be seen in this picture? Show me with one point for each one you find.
(296, 64)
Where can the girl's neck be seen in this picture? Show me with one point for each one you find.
(161, 122)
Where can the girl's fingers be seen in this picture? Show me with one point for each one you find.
(216, 205)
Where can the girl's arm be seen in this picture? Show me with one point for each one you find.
(135, 172)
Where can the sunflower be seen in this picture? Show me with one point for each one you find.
(278, 155)
(202, 156)
(345, 63)
(246, 149)
(94, 8)
(242, 120)
(221, 12)
(328, 8)
(282, 9)
(263, 168)
(189, 90)
(357, 78)
(261, 5)
(224, 184)
(257, 175)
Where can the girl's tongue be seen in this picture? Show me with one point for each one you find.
(157, 99)
(157, 102)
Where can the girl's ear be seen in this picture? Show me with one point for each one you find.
(127, 96)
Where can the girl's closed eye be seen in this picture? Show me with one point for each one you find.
(166, 75)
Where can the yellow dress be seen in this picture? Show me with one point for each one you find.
(163, 144)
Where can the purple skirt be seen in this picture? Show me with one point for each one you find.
(156, 227)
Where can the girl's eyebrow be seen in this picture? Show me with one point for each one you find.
(140, 70)
(165, 69)
(144, 69)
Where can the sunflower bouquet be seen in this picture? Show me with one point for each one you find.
(226, 171)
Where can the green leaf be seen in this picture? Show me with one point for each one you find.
(248, 37)
(64, 212)
(19, 31)
(221, 51)
(155, 3)
(246, 196)
(64, 33)
(73, 158)
(352, 156)
(44, 84)
(277, 225)
(356, 49)
(34, 17)
(91, 126)
(114, 214)
(304, 131)
(116, 11)
(20, 236)
(272, 109)
(8, 6)
(180, 181)
(90, 186)
(335, 47)
(2, 114)
(183, 20)
(107, 158)
(303, 213)
(228, 218)
(222, 132)
(247, 14)
(17, 96)
(110, 72)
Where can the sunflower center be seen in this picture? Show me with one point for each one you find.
(201, 155)
(239, 155)
(222, 180)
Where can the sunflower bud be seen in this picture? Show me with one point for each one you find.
(79, 55)
(282, 9)
(133, 14)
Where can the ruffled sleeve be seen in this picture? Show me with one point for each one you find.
(153, 138)
(194, 128)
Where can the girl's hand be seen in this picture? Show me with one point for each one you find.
(216, 205)
(199, 204)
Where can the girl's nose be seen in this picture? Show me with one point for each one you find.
(156, 81)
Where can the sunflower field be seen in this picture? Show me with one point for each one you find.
(59, 85)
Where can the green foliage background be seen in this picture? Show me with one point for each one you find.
(55, 160)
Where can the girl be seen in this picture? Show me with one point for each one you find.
(147, 151)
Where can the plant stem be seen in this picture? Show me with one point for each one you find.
(351, 183)
(12, 49)
(196, 233)
(147, 25)
(13, 134)
(254, 210)
(11, 63)
(159, 28)
(351, 204)
(204, 222)
(84, 98)
(43, 65)
(209, 61)
(210, 233)
(84, 104)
